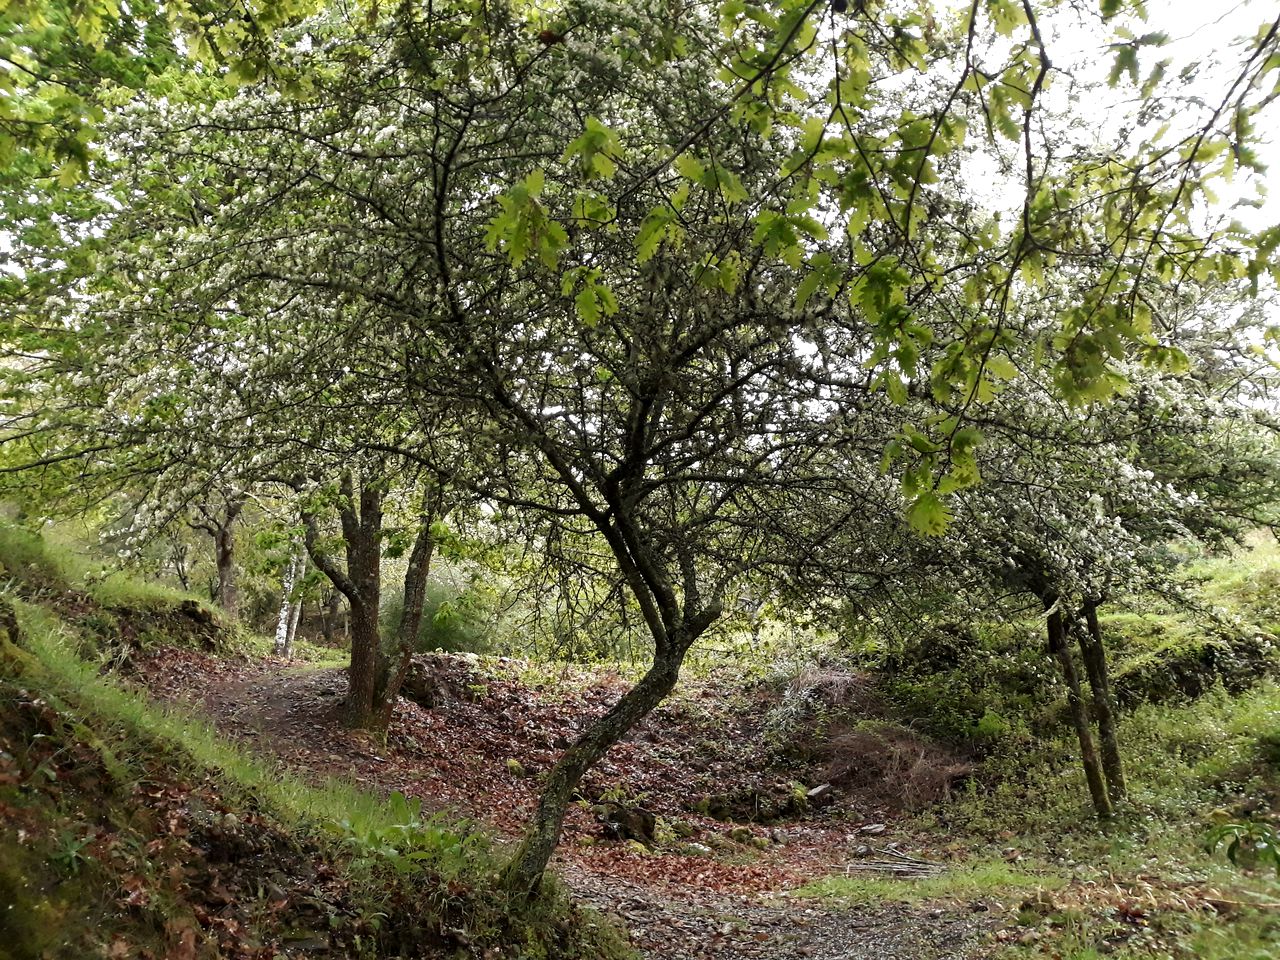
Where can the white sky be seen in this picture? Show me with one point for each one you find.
(1207, 31)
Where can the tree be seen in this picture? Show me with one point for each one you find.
(1092, 506)
(376, 672)
(666, 278)
(219, 522)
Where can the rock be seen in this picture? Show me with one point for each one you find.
(622, 822)
(862, 850)
(820, 794)
(874, 829)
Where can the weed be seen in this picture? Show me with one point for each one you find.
(69, 854)
(966, 881)
(410, 843)
(1246, 843)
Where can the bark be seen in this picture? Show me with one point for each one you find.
(294, 617)
(415, 597)
(1094, 655)
(224, 556)
(288, 604)
(221, 527)
(1079, 711)
(523, 874)
(374, 679)
(367, 666)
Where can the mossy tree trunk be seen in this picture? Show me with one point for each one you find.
(1094, 655)
(14, 661)
(1078, 708)
(524, 872)
(415, 598)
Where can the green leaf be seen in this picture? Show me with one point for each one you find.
(808, 286)
(689, 167)
(1001, 367)
(928, 515)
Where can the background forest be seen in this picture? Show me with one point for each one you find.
(673, 479)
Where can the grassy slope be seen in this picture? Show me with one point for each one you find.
(120, 817)
(1145, 886)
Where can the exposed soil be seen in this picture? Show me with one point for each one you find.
(707, 888)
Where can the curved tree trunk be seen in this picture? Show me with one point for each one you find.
(1094, 654)
(415, 599)
(1079, 713)
(523, 874)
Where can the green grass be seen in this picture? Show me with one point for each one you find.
(136, 718)
(960, 882)
(256, 647)
(392, 859)
(55, 556)
(1248, 935)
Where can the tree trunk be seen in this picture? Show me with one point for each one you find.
(221, 527)
(523, 874)
(1079, 712)
(224, 557)
(415, 597)
(294, 616)
(298, 583)
(364, 676)
(288, 586)
(1094, 655)
(333, 610)
(374, 678)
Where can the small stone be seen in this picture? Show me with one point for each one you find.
(874, 829)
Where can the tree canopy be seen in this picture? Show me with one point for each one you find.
(713, 286)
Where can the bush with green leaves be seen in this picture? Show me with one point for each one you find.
(410, 842)
(970, 685)
(1249, 843)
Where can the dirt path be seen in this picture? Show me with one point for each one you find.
(677, 907)
(691, 925)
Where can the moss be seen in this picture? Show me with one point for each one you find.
(30, 915)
